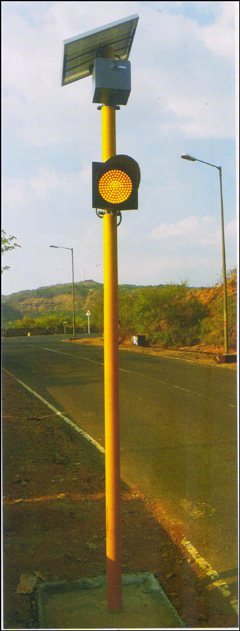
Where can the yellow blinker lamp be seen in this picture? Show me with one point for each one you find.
(115, 184)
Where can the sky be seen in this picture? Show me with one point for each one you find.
(184, 80)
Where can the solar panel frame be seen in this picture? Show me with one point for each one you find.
(118, 34)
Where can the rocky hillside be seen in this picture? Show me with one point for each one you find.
(52, 300)
(169, 315)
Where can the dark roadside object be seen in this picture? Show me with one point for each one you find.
(229, 358)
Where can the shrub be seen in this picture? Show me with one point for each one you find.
(171, 316)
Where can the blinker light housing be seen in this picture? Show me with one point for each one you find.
(115, 183)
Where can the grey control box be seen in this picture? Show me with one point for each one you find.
(111, 81)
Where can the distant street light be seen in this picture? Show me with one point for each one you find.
(88, 317)
(73, 294)
(65, 327)
(186, 156)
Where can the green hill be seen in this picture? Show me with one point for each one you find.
(169, 315)
(53, 300)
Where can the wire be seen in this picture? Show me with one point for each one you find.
(100, 214)
(119, 215)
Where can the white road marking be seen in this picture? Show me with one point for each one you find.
(65, 418)
(94, 361)
(180, 359)
(221, 585)
(187, 390)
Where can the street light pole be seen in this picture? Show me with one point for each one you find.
(186, 156)
(88, 317)
(61, 247)
(225, 311)
(73, 294)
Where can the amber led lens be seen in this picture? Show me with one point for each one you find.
(115, 186)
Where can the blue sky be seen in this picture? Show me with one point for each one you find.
(183, 99)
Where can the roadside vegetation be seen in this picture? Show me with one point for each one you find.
(171, 316)
(7, 243)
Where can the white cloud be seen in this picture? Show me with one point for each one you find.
(13, 192)
(231, 230)
(182, 228)
(220, 36)
(48, 181)
(40, 111)
(199, 114)
(25, 196)
(45, 183)
(198, 230)
(182, 90)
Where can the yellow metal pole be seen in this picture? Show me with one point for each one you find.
(111, 387)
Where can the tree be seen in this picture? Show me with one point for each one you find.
(7, 243)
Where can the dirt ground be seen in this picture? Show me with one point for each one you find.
(54, 520)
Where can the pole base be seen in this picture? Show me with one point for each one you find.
(82, 604)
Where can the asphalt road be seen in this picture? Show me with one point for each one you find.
(178, 431)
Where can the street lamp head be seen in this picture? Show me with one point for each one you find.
(186, 156)
(53, 246)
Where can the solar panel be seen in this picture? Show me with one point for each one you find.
(80, 51)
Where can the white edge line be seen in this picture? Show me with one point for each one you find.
(181, 359)
(221, 585)
(65, 418)
(129, 371)
(94, 361)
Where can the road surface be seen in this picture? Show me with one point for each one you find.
(178, 432)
